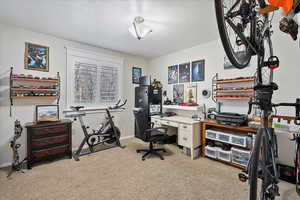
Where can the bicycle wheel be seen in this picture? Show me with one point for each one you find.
(265, 74)
(297, 166)
(227, 12)
(261, 173)
(253, 168)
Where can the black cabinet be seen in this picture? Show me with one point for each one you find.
(47, 141)
(150, 99)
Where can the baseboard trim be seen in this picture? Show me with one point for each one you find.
(127, 137)
(122, 138)
(4, 165)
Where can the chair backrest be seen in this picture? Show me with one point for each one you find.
(141, 123)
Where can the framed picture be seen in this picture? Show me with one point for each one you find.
(47, 113)
(190, 93)
(198, 72)
(184, 73)
(178, 93)
(136, 74)
(36, 57)
(173, 74)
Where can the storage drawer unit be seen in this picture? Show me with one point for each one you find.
(224, 155)
(239, 140)
(240, 156)
(211, 152)
(48, 141)
(224, 137)
(211, 134)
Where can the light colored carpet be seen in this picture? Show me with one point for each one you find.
(120, 174)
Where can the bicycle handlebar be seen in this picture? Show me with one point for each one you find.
(296, 105)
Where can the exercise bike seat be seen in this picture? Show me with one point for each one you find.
(77, 108)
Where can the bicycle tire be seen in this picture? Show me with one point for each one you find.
(297, 167)
(253, 177)
(225, 40)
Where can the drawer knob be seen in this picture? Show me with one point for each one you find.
(184, 126)
(184, 138)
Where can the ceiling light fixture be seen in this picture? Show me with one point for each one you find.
(138, 29)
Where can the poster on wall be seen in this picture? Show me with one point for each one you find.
(36, 57)
(190, 93)
(198, 68)
(173, 74)
(178, 93)
(184, 73)
(136, 74)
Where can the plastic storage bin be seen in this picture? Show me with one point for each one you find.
(239, 140)
(187, 151)
(224, 155)
(224, 137)
(211, 152)
(240, 156)
(211, 134)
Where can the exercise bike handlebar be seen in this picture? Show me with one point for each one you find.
(118, 105)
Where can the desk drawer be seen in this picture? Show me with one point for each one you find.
(184, 138)
(169, 123)
(186, 127)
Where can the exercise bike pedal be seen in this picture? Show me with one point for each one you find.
(243, 177)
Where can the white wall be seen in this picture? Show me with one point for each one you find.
(12, 46)
(287, 76)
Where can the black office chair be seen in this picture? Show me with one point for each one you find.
(147, 133)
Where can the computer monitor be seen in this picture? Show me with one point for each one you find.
(145, 80)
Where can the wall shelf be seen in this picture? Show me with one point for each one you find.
(35, 80)
(242, 92)
(235, 80)
(177, 107)
(233, 98)
(34, 89)
(34, 97)
(25, 92)
(232, 91)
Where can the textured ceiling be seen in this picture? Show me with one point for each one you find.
(176, 24)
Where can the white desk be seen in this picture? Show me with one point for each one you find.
(188, 130)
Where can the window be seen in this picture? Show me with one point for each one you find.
(93, 80)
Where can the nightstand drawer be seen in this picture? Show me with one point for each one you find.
(44, 143)
(48, 131)
(50, 152)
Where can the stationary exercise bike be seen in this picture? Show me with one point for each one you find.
(107, 133)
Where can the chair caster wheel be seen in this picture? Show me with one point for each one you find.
(164, 151)
(143, 159)
(138, 151)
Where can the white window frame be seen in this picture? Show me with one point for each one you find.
(89, 57)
